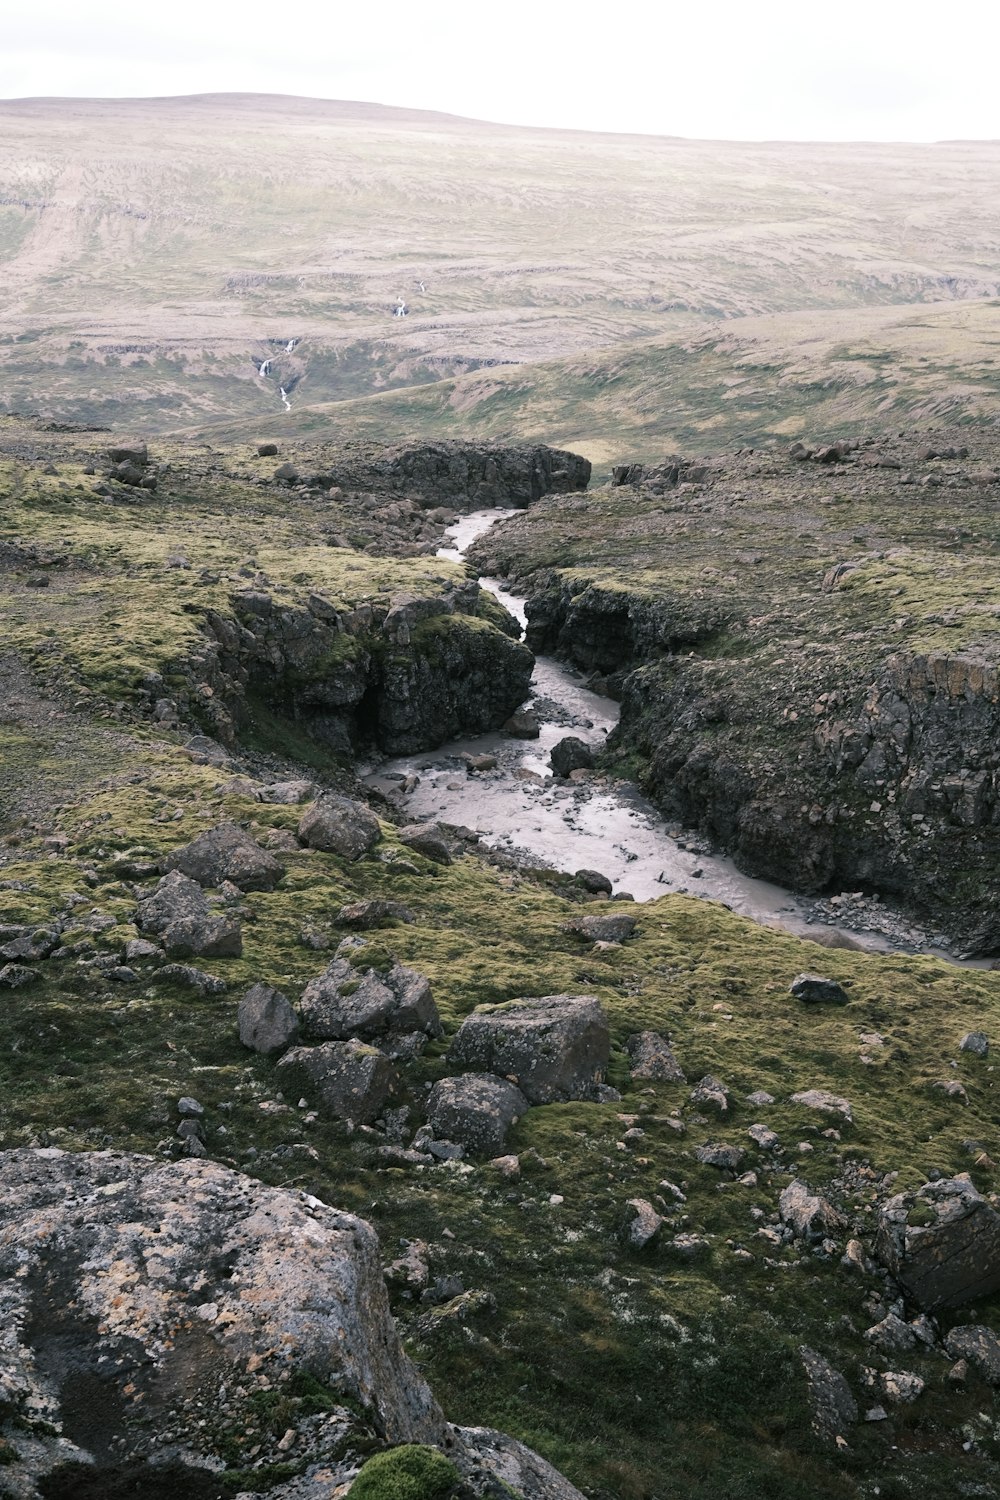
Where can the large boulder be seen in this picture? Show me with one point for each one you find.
(227, 852)
(351, 1079)
(345, 1001)
(476, 1110)
(339, 825)
(555, 1047)
(980, 1346)
(179, 913)
(571, 754)
(123, 1278)
(942, 1243)
(266, 1020)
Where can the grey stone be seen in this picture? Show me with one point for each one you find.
(137, 949)
(891, 1334)
(267, 450)
(686, 1246)
(428, 839)
(345, 1001)
(186, 1105)
(367, 914)
(767, 1140)
(594, 882)
(651, 1057)
(180, 914)
(267, 1023)
(555, 1047)
(709, 1093)
(571, 754)
(477, 1110)
(340, 825)
(834, 1407)
(286, 474)
(901, 1386)
(759, 1098)
(813, 989)
(976, 1042)
(825, 1103)
(289, 793)
(520, 1469)
(977, 1345)
(644, 1223)
(191, 978)
(952, 1259)
(719, 1154)
(807, 1215)
(17, 976)
(352, 1080)
(125, 452)
(227, 852)
(604, 929)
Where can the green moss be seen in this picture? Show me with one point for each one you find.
(413, 1472)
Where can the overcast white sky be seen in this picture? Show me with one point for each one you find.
(789, 69)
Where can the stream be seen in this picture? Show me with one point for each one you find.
(520, 807)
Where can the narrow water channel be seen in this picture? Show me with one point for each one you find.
(518, 804)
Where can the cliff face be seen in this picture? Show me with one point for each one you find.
(891, 782)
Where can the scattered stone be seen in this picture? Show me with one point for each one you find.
(976, 1042)
(192, 979)
(942, 1243)
(855, 1259)
(959, 1373)
(711, 1094)
(807, 1215)
(137, 949)
(522, 726)
(340, 825)
(289, 793)
(17, 976)
(428, 839)
(204, 751)
(410, 1272)
(718, 1154)
(767, 1140)
(644, 1223)
(227, 852)
(603, 929)
(759, 1098)
(345, 1001)
(813, 989)
(826, 1104)
(571, 754)
(834, 1407)
(891, 1334)
(555, 1047)
(594, 882)
(978, 1346)
(688, 1246)
(352, 1079)
(190, 1108)
(267, 1023)
(179, 913)
(286, 474)
(901, 1386)
(476, 1110)
(952, 1089)
(651, 1057)
(267, 450)
(365, 915)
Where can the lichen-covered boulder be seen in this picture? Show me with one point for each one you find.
(476, 1110)
(339, 825)
(227, 852)
(122, 1278)
(179, 913)
(351, 1080)
(604, 927)
(555, 1047)
(345, 1001)
(651, 1057)
(942, 1243)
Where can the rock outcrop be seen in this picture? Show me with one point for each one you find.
(942, 1243)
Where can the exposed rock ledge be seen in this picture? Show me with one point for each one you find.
(143, 1305)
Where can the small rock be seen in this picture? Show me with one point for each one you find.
(427, 839)
(651, 1057)
(976, 1042)
(827, 1104)
(17, 976)
(813, 989)
(266, 1021)
(719, 1154)
(711, 1094)
(476, 1110)
(603, 929)
(644, 1223)
(834, 1407)
(901, 1386)
(594, 882)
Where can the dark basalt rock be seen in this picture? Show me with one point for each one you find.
(555, 1047)
(942, 1243)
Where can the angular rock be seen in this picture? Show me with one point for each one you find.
(719, 1154)
(603, 929)
(178, 912)
(651, 1056)
(345, 1001)
(834, 1407)
(267, 1023)
(825, 1103)
(644, 1223)
(522, 726)
(427, 839)
(520, 1469)
(410, 1271)
(709, 1093)
(190, 978)
(351, 1079)
(227, 852)
(979, 1346)
(767, 1140)
(365, 915)
(976, 1042)
(17, 976)
(555, 1047)
(901, 1386)
(807, 1215)
(129, 453)
(594, 882)
(942, 1243)
(571, 754)
(813, 989)
(289, 793)
(891, 1335)
(476, 1110)
(340, 825)
(181, 1277)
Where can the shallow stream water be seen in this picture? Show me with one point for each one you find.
(591, 824)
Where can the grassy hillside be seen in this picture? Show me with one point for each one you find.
(155, 252)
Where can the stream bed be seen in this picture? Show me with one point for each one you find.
(594, 823)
